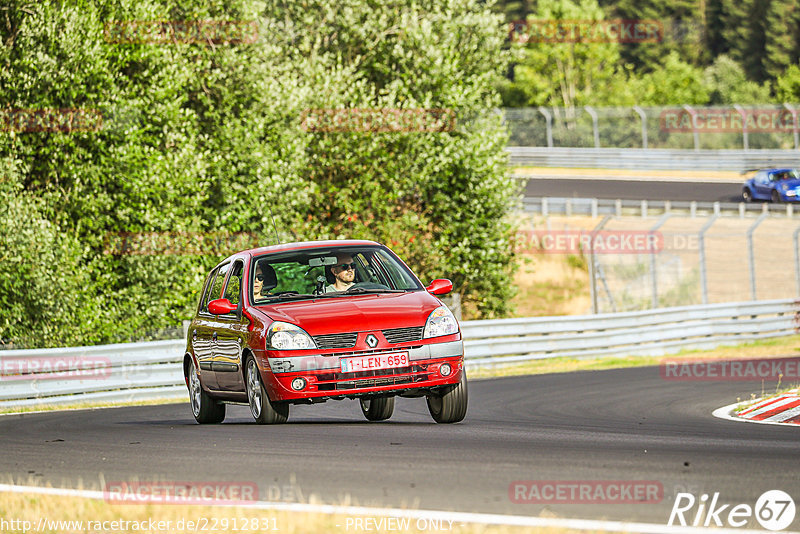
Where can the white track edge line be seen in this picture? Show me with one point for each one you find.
(462, 517)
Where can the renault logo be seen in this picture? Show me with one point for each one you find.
(372, 341)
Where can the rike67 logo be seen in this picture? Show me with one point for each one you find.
(774, 510)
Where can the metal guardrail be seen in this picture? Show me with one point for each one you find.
(652, 159)
(652, 332)
(152, 370)
(595, 207)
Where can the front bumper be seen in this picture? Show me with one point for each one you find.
(324, 378)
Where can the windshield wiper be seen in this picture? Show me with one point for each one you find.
(283, 295)
(373, 290)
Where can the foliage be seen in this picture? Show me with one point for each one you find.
(200, 137)
(571, 74)
(743, 46)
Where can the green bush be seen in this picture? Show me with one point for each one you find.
(200, 138)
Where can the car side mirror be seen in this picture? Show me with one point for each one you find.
(221, 307)
(440, 286)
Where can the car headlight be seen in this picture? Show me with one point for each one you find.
(286, 336)
(441, 322)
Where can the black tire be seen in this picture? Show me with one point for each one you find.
(264, 411)
(205, 409)
(775, 197)
(377, 408)
(449, 405)
(747, 196)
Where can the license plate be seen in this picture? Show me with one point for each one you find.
(357, 364)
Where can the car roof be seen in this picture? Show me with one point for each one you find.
(301, 245)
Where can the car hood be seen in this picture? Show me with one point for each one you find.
(355, 313)
(790, 184)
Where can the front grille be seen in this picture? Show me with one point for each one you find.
(336, 341)
(403, 335)
(377, 377)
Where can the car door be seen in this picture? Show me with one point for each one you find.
(231, 330)
(762, 185)
(204, 328)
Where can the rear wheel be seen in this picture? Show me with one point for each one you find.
(204, 408)
(747, 196)
(377, 408)
(775, 197)
(264, 411)
(449, 405)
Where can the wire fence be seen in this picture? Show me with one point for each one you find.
(640, 263)
(675, 127)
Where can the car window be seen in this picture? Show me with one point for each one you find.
(761, 177)
(233, 290)
(310, 270)
(215, 287)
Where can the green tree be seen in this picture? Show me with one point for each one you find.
(682, 22)
(787, 86)
(782, 38)
(677, 82)
(208, 137)
(571, 74)
(728, 84)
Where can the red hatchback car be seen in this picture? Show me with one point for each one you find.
(307, 322)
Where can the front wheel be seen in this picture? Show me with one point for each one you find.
(204, 408)
(450, 404)
(264, 411)
(775, 197)
(378, 408)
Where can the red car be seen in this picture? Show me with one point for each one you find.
(308, 322)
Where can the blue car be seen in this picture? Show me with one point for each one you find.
(775, 185)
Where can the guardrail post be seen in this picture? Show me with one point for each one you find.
(693, 209)
(741, 210)
(794, 124)
(701, 243)
(545, 210)
(549, 120)
(644, 209)
(695, 135)
(653, 263)
(590, 110)
(618, 208)
(716, 208)
(594, 208)
(796, 258)
(743, 114)
(751, 256)
(592, 266)
(643, 116)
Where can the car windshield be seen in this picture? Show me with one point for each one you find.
(311, 273)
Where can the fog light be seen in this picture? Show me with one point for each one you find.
(298, 384)
(445, 369)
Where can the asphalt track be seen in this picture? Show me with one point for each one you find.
(626, 424)
(634, 190)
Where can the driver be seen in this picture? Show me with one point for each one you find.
(344, 273)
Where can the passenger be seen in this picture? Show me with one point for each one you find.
(262, 278)
(344, 273)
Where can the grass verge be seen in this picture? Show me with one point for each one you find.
(771, 348)
(61, 514)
